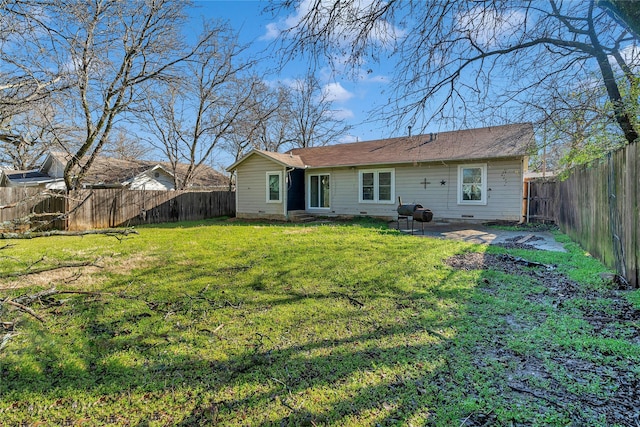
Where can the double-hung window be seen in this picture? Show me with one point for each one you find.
(376, 186)
(274, 187)
(472, 184)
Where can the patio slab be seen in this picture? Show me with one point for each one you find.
(478, 233)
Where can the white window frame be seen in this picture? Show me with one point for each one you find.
(376, 185)
(279, 174)
(309, 191)
(483, 184)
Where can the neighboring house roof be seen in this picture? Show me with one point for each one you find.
(473, 144)
(33, 177)
(111, 171)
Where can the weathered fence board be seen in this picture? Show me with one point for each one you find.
(542, 200)
(598, 206)
(21, 203)
(105, 208)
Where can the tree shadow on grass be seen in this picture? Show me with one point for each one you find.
(123, 369)
(433, 356)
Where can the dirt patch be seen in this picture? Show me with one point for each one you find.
(583, 385)
(81, 277)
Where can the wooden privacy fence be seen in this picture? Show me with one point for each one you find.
(18, 206)
(105, 208)
(598, 206)
(541, 203)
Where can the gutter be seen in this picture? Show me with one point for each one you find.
(411, 162)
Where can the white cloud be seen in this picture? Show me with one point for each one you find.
(382, 33)
(342, 114)
(334, 92)
(272, 32)
(489, 27)
(631, 55)
(367, 76)
(348, 138)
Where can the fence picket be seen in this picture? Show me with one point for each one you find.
(598, 207)
(105, 208)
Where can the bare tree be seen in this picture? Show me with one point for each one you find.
(314, 120)
(264, 124)
(576, 125)
(125, 145)
(627, 12)
(112, 48)
(189, 117)
(29, 68)
(286, 115)
(458, 56)
(29, 135)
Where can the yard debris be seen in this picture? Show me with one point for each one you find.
(524, 239)
(616, 279)
(527, 263)
(115, 232)
(351, 299)
(58, 266)
(22, 304)
(23, 308)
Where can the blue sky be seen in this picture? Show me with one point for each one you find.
(353, 98)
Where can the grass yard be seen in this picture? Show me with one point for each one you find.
(244, 324)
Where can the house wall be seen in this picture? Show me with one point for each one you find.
(504, 191)
(148, 181)
(251, 185)
(54, 168)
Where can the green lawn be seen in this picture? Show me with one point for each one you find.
(231, 323)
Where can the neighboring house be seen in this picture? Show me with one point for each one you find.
(29, 178)
(474, 174)
(108, 172)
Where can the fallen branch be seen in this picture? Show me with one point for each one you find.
(350, 298)
(52, 268)
(527, 263)
(6, 339)
(28, 299)
(534, 394)
(23, 308)
(33, 235)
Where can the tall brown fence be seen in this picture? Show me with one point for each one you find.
(21, 205)
(598, 206)
(104, 208)
(541, 206)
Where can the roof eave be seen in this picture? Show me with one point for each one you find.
(409, 162)
(264, 156)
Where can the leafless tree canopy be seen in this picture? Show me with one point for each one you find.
(458, 58)
(29, 70)
(190, 116)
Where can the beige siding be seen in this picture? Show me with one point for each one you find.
(251, 184)
(504, 191)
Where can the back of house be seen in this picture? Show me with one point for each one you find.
(473, 175)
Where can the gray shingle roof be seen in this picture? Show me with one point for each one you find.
(473, 144)
(485, 143)
(107, 170)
